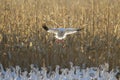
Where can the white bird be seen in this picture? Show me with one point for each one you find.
(61, 33)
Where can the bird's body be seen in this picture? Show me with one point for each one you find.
(61, 33)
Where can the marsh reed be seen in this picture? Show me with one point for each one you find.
(24, 42)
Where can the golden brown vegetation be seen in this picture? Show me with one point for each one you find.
(23, 41)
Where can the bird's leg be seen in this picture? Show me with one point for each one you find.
(62, 41)
(59, 41)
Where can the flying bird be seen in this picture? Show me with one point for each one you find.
(61, 33)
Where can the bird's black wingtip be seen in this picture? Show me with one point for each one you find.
(80, 29)
(45, 27)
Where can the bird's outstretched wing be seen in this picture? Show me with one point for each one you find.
(51, 30)
(72, 30)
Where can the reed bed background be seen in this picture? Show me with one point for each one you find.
(24, 42)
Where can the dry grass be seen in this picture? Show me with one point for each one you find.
(23, 41)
